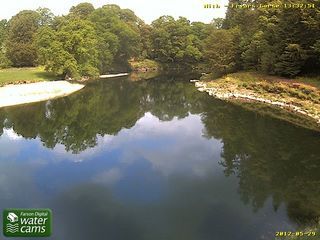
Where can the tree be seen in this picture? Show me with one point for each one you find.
(290, 61)
(46, 17)
(220, 51)
(118, 40)
(173, 41)
(82, 10)
(4, 61)
(71, 50)
(201, 30)
(19, 44)
(316, 50)
(145, 40)
(253, 52)
(3, 30)
(217, 23)
(276, 40)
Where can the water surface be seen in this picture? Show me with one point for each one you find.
(156, 160)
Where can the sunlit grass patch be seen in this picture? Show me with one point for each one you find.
(20, 75)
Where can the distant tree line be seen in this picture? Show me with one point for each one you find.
(89, 41)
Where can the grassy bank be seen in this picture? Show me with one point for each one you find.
(145, 65)
(300, 96)
(24, 75)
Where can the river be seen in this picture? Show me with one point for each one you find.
(157, 159)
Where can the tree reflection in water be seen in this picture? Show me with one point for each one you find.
(270, 157)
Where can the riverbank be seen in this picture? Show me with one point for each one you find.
(11, 95)
(292, 95)
(24, 75)
(145, 65)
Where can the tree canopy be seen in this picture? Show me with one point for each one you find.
(89, 41)
(280, 41)
(20, 46)
(174, 41)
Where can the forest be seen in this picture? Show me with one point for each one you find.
(90, 41)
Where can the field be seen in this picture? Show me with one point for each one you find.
(24, 75)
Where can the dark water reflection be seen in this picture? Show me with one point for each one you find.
(158, 160)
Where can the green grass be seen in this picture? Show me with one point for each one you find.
(17, 75)
(146, 63)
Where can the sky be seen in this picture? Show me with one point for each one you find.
(148, 10)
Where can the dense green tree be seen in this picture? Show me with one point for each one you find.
(20, 48)
(82, 10)
(118, 40)
(201, 30)
(252, 53)
(276, 40)
(71, 50)
(89, 41)
(220, 51)
(316, 50)
(272, 40)
(290, 61)
(174, 42)
(145, 40)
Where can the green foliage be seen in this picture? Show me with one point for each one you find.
(20, 49)
(71, 50)
(147, 64)
(83, 43)
(220, 51)
(316, 49)
(217, 23)
(118, 40)
(290, 61)
(201, 30)
(270, 40)
(4, 61)
(82, 10)
(46, 17)
(89, 41)
(253, 52)
(173, 41)
(277, 40)
(145, 40)
(3, 31)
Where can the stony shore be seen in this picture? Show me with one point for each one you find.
(232, 92)
(11, 95)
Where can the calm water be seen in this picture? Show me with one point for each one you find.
(158, 160)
